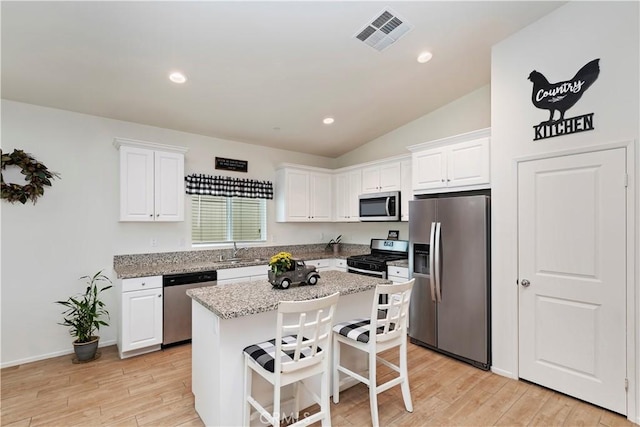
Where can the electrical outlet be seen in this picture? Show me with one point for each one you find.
(154, 242)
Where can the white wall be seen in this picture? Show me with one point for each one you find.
(465, 114)
(556, 45)
(74, 230)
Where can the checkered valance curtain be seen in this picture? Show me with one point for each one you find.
(227, 186)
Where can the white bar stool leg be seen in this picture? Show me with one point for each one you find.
(373, 392)
(246, 409)
(336, 374)
(404, 386)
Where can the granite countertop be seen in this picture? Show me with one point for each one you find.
(246, 298)
(143, 265)
(164, 268)
(400, 263)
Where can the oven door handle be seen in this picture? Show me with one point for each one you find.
(359, 270)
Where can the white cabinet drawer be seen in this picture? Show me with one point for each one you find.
(341, 263)
(140, 283)
(398, 272)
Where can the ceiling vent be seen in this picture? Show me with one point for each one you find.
(383, 31)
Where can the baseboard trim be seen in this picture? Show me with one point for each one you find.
(49, 355)
(504, 373)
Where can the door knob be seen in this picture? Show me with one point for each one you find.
(525, 283)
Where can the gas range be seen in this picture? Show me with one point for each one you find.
(382, 252)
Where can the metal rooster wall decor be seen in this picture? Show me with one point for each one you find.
(560, 97)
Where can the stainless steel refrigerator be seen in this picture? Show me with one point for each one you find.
(449, 247)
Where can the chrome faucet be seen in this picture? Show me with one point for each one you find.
(236, 249)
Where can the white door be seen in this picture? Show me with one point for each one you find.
(572, 264)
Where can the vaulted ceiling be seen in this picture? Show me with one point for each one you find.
(264, 72)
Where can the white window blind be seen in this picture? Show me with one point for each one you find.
(227, 219)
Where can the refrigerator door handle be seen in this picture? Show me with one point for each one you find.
(432, 272)
(438, 273)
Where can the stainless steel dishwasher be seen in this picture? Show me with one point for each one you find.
(176, 325)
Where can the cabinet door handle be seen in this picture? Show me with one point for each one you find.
(143, 283)
(160, 296)
(157, 215)
(150, 215)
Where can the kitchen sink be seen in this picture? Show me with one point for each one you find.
(243, 260)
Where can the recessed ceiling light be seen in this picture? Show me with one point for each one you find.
(177, 77)
(424, 57)
(328, 120)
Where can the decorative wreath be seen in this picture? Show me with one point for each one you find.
(35, 172)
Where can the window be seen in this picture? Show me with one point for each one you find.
(227, 219)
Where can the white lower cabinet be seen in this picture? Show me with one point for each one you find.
(341, 264)
(322, 264)
(397, 274)
(140, 328)
(253, 273)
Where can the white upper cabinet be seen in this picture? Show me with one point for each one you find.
(452, 164)
(151, 181)
(348, 186)
(320, 197)
(406, 193)
(303, 195)
(381, 178)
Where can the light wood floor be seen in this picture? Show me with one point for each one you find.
(155, 390)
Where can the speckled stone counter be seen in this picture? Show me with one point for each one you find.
(400, 263)
(241, 299)
(158, 264)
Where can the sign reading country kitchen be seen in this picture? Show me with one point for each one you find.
(560, 97)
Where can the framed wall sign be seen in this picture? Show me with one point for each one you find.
(232, 164)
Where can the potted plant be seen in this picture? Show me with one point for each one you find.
(84, 316)
(334, 245)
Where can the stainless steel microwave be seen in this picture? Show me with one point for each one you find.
(380, 206)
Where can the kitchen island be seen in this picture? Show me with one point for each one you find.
(228, 318)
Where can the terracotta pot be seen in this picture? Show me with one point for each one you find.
(86, 350)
